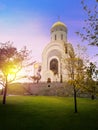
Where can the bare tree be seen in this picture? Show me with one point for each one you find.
(36, 78)
(89, 31)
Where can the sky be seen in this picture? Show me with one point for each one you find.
(28, 22)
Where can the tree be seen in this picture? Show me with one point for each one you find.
(11, 62)
(36, 78)
(92, 73)
(71, 73)
(89, 31)
(75, 69)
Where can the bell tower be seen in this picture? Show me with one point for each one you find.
(59, 32)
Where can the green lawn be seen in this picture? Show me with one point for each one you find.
(48, 113)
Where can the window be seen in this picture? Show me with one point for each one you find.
(65, 49)
(55, 37)
(61, 36)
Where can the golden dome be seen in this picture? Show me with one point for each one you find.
(58, 24)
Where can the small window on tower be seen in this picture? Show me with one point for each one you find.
(61, 36)
(66, 49)
(55, 37)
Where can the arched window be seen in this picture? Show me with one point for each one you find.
(55, 37)
(54, 66)
(61, 36)
(66, 49)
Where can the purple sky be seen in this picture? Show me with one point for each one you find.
(28, 22)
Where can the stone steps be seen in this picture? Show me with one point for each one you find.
(55, 89)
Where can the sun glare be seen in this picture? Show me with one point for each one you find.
(12, 73)
(11, 77)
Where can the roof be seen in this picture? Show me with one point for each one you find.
(58, 24)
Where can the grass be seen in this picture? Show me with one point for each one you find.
(48, 113)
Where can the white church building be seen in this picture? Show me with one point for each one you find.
(53, 55)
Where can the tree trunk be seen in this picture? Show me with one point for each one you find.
(5, 93)
(93, 93)
(75, 100)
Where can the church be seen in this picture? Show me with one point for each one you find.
(55, 53)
